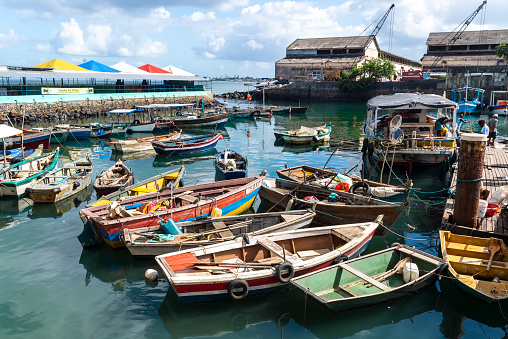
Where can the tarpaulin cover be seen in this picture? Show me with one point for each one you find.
(409, 100)
(93, 65)
(61, 65)
(8, 131)
(152, 69)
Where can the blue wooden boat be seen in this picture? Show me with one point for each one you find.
(76, 132)
(230, 165)
(187, 145)
(469, 99)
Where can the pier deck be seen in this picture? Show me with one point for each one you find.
(495, 174)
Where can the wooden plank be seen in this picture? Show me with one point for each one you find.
(419, 256)
(365, 277)
(274, 247)
(224, 234)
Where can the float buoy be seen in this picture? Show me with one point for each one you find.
(151, 274)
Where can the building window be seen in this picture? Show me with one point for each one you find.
(457, 48)
(478, 47)
(339, 51)
(323, 51)
(355, 50)
(436, 48)
(315, 75)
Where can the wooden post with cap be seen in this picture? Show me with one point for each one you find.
(470, 172)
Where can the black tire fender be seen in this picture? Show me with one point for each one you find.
(237, 283)
(136, 122)
(340, 259)
(279, 271)
(366, 188)
(365, 145)
(394, 244)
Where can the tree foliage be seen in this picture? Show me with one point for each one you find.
(502, 51)
(364, 76)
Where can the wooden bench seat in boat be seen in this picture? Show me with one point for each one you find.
(188, 198)
(312, 253)
(274, 248)
(365, 277)
(142, 190)
(220, 225)
(459, 249)
(476, 261)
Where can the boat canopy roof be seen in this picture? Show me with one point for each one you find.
(8, 131)
(409, 101)
(468, 89)
(165, 105)
(124, 111)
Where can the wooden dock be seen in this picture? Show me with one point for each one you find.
(495, 174)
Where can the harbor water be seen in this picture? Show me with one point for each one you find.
(51, 287)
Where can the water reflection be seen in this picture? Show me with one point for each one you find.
(162, 161)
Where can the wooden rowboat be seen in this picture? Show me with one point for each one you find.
(342, 182)
(308, 135)
(63, 182)
(371, 279)
(478, 266)
(237, 268)
(151, 241)
(230, 165)
(15, 179)
(15, 155)
(298, 109)
(188, 145)
(114, 178)
(342, 208)
(141, 144)
(231, 197)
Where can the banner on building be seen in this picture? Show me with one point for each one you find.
(53, 90)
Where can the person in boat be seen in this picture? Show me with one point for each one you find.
(492, 130)
(484, 129)
(439, 125)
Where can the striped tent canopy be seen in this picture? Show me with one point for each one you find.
(152, 69)
(93, 65)
(126, 68)
(177, 71)
(61, 65)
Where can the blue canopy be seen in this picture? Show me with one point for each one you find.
(98, 67)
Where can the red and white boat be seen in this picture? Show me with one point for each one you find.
(240, 268)
(31, 140)
(182, 204)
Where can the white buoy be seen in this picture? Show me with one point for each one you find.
(151, 274)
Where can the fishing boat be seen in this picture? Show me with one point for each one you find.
(238, 268)
(141, 144)
(498, 105)
(280, 110)
(113, 179)
(100, 132)
(399, 129)
(30, 140)
(230, 165)
(57, 135)
(135, 126)
(332, 207)
(16, 155)
(76, 132)
(200, 120)
(152, 184)
(308, 135)
(228, 197)
(298, 109)
(187, 145)
(162, 114)
(104, 130)
(16, 178)
(478, 266)
(309, 175)
(371, 279)
(152, 241)
(63, 182)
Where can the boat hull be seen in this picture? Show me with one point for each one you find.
(206, 121)
(185, 148)
(31, 140)
(147, 127)
(79, 134)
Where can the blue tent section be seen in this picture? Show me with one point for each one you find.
(98, 67)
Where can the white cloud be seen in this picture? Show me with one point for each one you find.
(43, 47)
(71, 39)
(160, 12)
(251, 10)
(9, 39)
(210, 55)
(253, 44)
(200, 16)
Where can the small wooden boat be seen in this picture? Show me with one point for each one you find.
(15, 179)
(135, 126)
(188, 145)
(298, 109)
(63, 182)
(16, 155)
(229, 197)
(374, 278)
(57, 135)
(100, 132)
(332, 206)
(114, 178)
(152, 241)
(342, 182)
(152, 184)
(76, 132)
(280, 110)
(238, 268)
(478, 266)
(141, 144)
(308, 135)
(194, 121)
(230, 165)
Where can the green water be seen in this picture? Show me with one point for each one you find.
(51, 288)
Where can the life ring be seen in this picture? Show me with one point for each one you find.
(236, 283)
(370, 149)
(365, 145)
(136, 122)
(366, 188)
(282, 267)
(340, 259)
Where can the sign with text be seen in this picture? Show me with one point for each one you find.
(53, 90)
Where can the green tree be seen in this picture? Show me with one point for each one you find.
(502, 51)
(364, 76)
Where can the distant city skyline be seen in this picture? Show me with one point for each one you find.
(215, 38)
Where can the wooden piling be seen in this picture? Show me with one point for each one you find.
(470, 170)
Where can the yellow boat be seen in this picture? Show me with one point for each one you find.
(477, 265)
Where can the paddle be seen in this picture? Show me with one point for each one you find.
(493, 249)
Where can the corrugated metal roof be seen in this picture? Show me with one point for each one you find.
(316, 61)
(470, 59)
(330, 43)
(95, 75)
(470, 38)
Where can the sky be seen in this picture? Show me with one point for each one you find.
(218, 37)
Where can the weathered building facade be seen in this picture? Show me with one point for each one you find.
(326, 58)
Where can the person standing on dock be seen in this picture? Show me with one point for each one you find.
(492, 130)
(484, 129)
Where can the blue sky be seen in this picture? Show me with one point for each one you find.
(217, 37)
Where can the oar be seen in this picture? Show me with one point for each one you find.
(493, 249)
